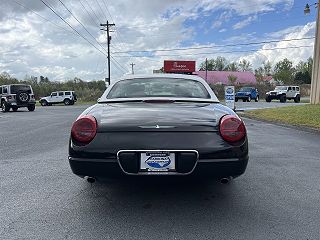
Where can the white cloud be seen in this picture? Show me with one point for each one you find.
(245, 22)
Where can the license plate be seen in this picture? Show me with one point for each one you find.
(157, 161)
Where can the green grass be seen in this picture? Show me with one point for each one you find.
(306, 115)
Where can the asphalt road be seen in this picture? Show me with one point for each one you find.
(245, 106)
(277, 197)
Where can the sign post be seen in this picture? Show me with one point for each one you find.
(229, 93)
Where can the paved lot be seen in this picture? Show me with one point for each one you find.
(245, 106)
(277, 198)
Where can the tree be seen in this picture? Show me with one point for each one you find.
(245, 65)
(232, 79)
(218, 64)
(259, 73)
(267, 67)
(233, 67)
(284, 71)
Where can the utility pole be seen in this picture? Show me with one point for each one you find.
(206, 69)
(132, 64)
(107, 29)
(315, 81)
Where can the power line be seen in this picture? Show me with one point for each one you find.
(72, 27)
(92, 19)
(215, 46)
(81, 24)
(218, 52)
(53, 23)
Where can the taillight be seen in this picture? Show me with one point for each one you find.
(84, 129)
(9, 97)
(232, 128)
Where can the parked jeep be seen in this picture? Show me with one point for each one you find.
(15, 96)
(247, 94)
(65, 97)
(284, 93)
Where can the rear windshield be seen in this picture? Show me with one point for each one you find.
(158, 87)
(17, 88)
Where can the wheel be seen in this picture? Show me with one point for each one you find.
(297, 99)
(44, 103)
(268, 99)
(4, 107)
(23, 97)
(283, 99)
(14, 109)
(31, 108)
(236, 99)
(244, 100)
(67, 102)
(249, 99)
(257, 99)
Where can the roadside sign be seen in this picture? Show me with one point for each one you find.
(229, 96)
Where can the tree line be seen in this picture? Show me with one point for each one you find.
(284, 71)
(42, 86)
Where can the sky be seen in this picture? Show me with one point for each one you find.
(35, 41)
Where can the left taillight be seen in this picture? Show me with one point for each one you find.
(232, 129)
(84, 129)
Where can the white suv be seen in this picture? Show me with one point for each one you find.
(284, 93)
(66, 97)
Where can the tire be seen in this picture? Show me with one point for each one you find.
(256, 99)
(22, 97)
(244, 100)
(236, 99)
(249, 99)
(268, 99)
(14, 109)
(67, 102)
(31, 108)
(283, 99)
(297, 99)
(44, 103)
(4, 107)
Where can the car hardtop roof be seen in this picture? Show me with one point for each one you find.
(162, 75)
(16, 84)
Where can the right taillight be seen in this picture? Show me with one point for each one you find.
(232, 129)
(84, 129)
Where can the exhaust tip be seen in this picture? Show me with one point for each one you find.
(90, 179)
(225, 180)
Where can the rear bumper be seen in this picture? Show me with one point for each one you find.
(110, 168)
(15, 104)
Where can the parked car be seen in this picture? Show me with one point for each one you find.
(65, 97)
(160, 125)
(247, 94)
(284, 93)
(16, 96)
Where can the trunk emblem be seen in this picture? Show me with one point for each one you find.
(157, 127)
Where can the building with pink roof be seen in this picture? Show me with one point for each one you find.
(222, 77)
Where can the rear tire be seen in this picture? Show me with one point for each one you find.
(297, 99)
(4, 107)
(31, 108)
(67, 102)
(236, 99)
(283, 99)
(268, 99)
(14, 109)
(44, 103)
(257, 99)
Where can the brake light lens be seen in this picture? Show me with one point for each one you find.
(84, 129)
(232, 129)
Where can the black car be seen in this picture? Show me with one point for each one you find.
(158, 125)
